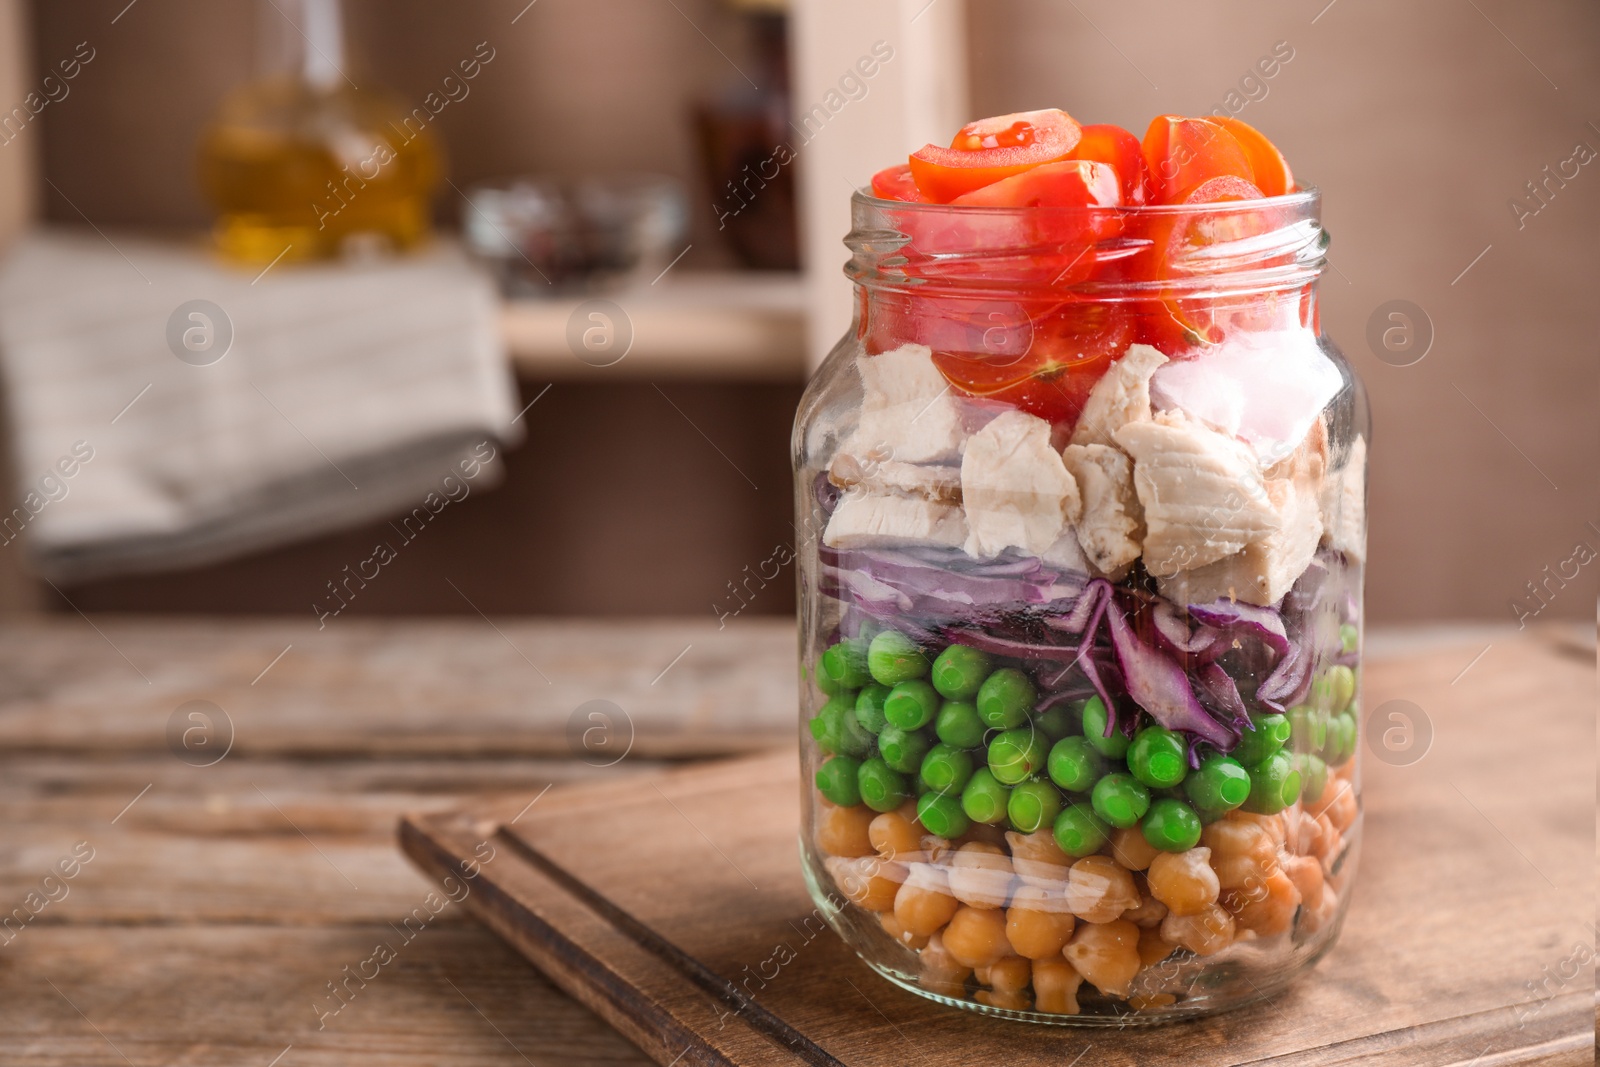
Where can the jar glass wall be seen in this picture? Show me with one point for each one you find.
(1080, 514)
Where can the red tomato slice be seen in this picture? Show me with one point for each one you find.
(991, 149)
(1120, 149)
(895, 183)
(1183, 153)
(1067, 348)
(1272, 175)
(1071, 183)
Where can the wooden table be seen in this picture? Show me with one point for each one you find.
(220, 901)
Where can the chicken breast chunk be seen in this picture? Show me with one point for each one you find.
(1202, 492)
(1015, 489)
(868, 474)
(908, 412)
(1344, 505)
(1121, 396)
(883, 520)
(1111, 530)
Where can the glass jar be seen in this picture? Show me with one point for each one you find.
(1081, 525)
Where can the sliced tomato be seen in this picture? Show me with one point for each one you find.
(1181, 154)
(1272, 175)
(991, 149)
(1174, 324)
(1063, 351)
(1120, 149)
(1070, 183)
(896, 183)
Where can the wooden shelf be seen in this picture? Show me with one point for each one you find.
(742, 326)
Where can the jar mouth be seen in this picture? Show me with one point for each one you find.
(1271, 244)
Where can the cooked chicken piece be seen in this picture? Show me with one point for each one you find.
(1066, 553)
(908, 412)
(1261, 572)
(1016, 491)
(878, 520)
(1121, 396)
(935, 482)
(1202, 493)
(1112, 526)
(1344, 505)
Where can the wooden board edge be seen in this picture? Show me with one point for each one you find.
(588, 978)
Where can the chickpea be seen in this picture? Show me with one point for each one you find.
(896, 929)
(895, 836)
(922, 906)
(936, 849)
(1147, 913)
(1130, 848)
(1099, 889)
(1153, 948)
(1204, 933)
(1306, 874)
(976, 937)
(1106, 954)
(1324, 844)
(1038, 924)
(1314, 917)
(1019, 1001)
(1307, 835)
(980, 875)
(1009, 975)
(1272, 824)
(1037, 859)
(1184, 881)
(1266, 907)
(843, 831)
(1242, 851)
(1055, 984)
(868, 881)
(1339, 804)
(941, 973)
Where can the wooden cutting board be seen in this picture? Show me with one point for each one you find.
(673, 906)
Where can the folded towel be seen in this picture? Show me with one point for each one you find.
(145, 439)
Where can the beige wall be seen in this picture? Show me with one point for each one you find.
(1419, 121)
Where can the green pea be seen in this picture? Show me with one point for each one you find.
(869, 707)
(1158, 757)
(1308, 728)
(958, 724)
(1171, 825)
(911, 705)
(1058, 722)
(1349, 638)
(1079, 831)
(882, 788)
(1094, 730)
(836, 730)
(1005, 698)
(958, 671)
(1313, 774)
(1220, 785)
(1017, 755)
(984, 799)
(1270, 734)
(1334, 690)
(1120, 800)
(1274, 785)
(843, 667)
(946, 769)
(836, 780)
(941, 814)
(1032, 805)
(903, 749)
(1075, 764)
(1341, 739)
(894, 658)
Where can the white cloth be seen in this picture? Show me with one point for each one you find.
(348, 394)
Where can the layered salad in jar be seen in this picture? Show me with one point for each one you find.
(1082, 529)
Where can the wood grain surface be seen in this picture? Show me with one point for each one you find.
(662, 904)
(222, 900)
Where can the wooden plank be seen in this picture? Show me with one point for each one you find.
(388, 689)
(243, 994)
(1476, 884)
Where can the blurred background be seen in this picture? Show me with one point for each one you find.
(411, 350)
